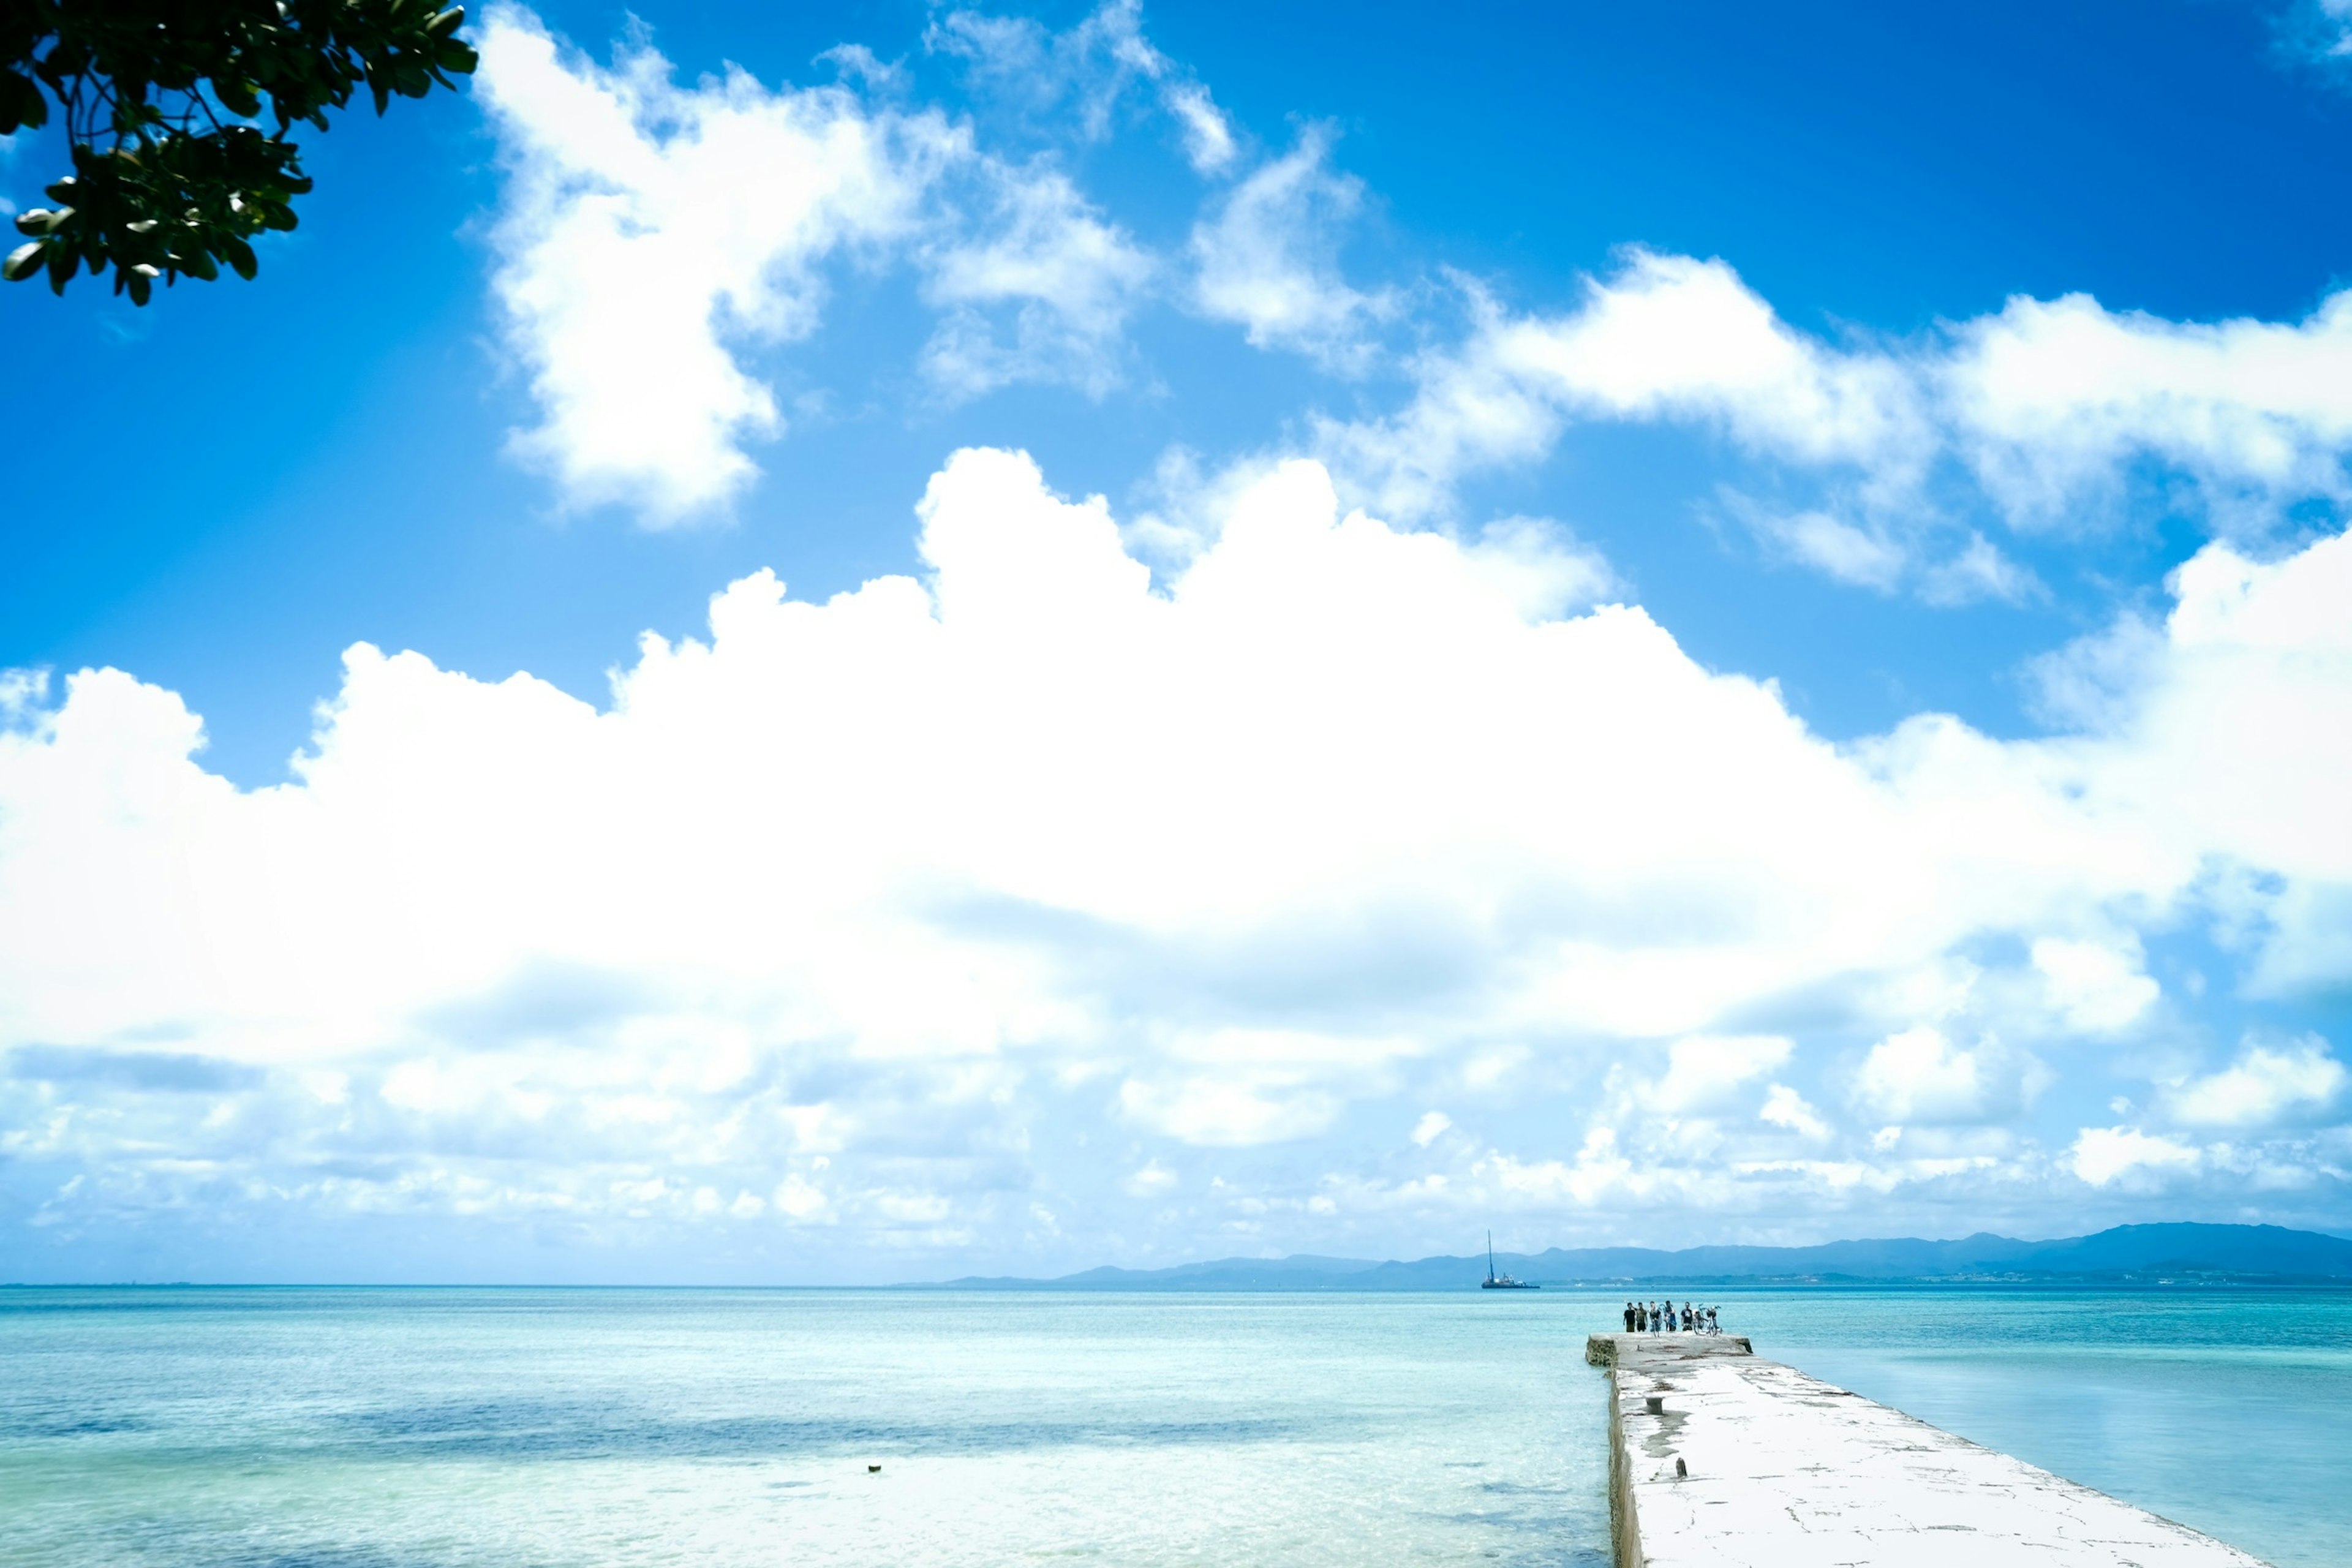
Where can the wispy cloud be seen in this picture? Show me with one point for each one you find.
(2043, 413)
(1085, 74)
(1045, 259)
(1267, 259)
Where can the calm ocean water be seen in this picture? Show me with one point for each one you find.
(297, 1428)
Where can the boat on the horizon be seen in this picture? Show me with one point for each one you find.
(1494, 1281)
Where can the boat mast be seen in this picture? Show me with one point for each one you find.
(1490, 1254)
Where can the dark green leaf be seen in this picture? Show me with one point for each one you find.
(159, 185)
(21, 103)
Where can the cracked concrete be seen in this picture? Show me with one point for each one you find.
(1719, 1459)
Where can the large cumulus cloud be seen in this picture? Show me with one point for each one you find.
(986, 914)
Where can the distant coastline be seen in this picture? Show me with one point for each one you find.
(2181, 1254)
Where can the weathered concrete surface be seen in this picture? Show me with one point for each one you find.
(1779, 1470)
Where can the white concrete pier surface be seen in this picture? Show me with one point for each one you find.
(1719, 1459)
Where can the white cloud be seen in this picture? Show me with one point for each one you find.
(648, 229)
(2051, 399)
(1704, 1070)
(2262, 1086)
(1430, 1128)
(2318, 31)
(2229, 731)
(1208, 139)
(1887, 557)
(2104, 1155)
(1084, 73)
(1539, 566)
(1668, 337)
(801, 1199)
(22, 691)
(1918, 1076)
(2094, 987)
(1069, 277)
(2049, 408)
(917, 907)
(1834, 547)
(1268, 259)
(1224, 1113)
(1784, 1106)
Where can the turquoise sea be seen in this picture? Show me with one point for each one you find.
(416, 1428)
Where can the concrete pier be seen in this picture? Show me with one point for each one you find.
(1719, 1459)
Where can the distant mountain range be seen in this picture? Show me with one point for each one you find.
(2142, 1252)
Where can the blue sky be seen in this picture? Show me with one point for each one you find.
(1830, 721)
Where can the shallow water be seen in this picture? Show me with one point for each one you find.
(424, 1428)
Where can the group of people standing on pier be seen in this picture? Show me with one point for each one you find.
(1661, 1318)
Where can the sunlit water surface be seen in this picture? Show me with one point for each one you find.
(421, 1428)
